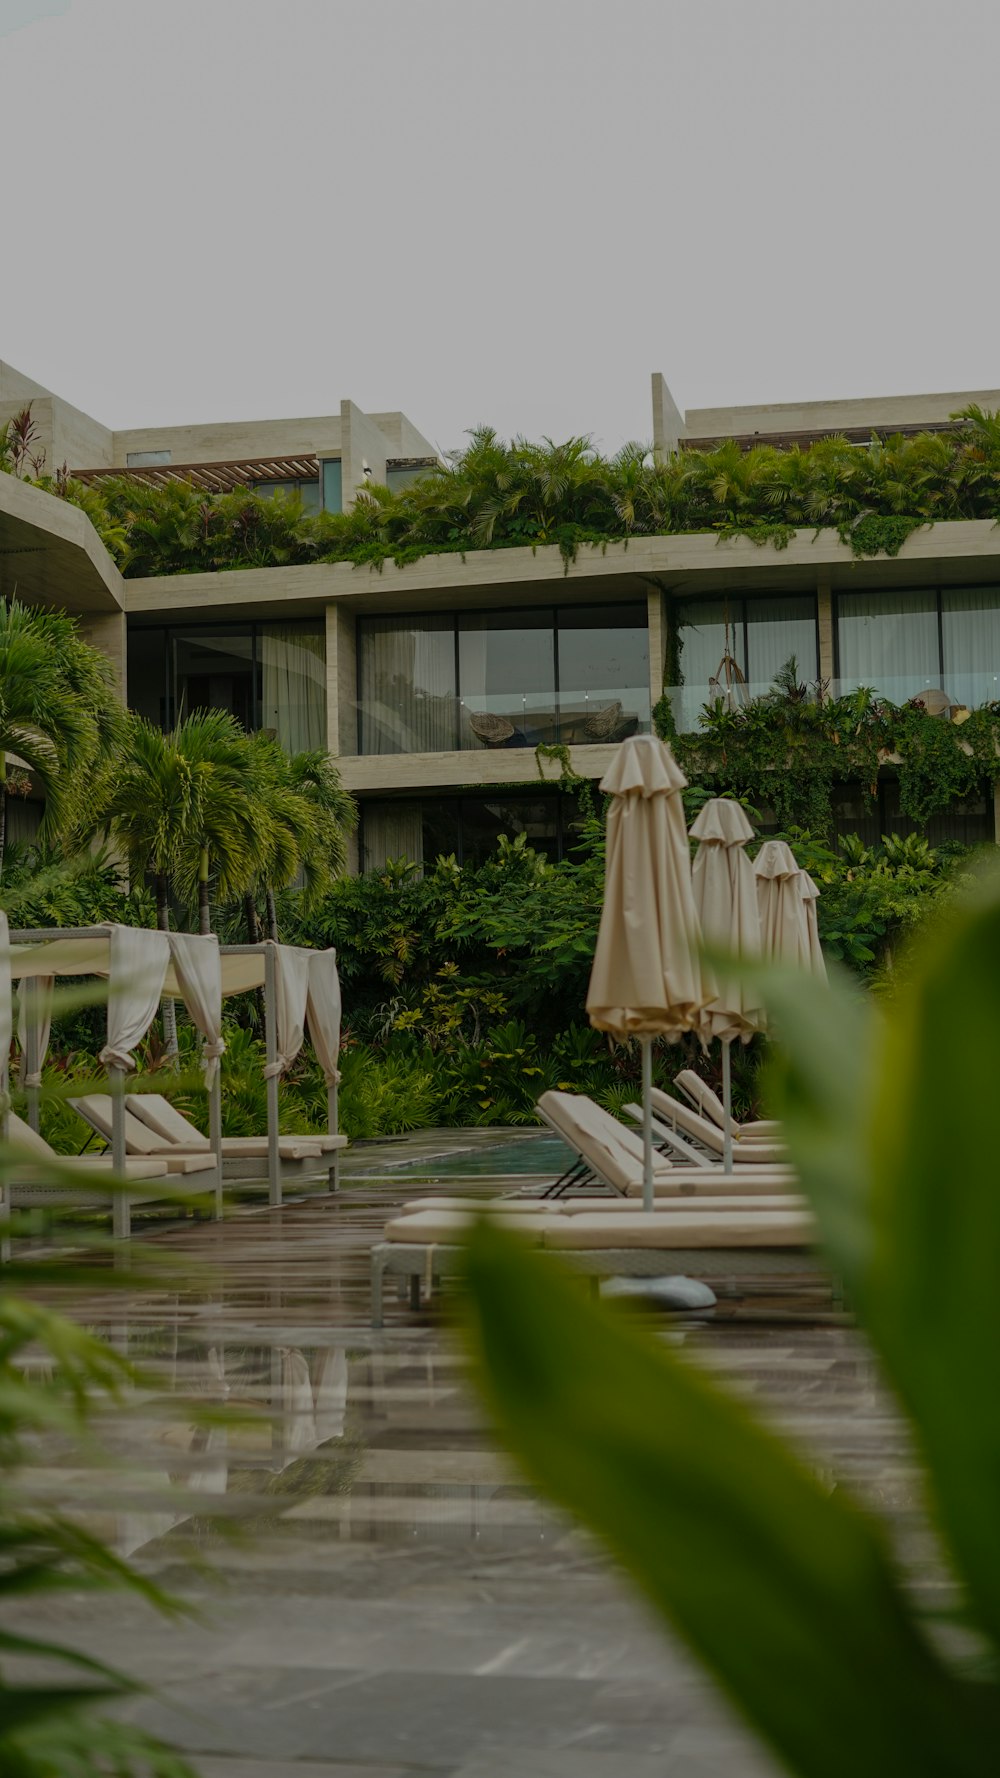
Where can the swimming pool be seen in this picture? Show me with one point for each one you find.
(520, 1155)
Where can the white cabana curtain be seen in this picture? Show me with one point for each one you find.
(34, 1025)
(137, 971)
(323, 1012)
(197, 968)
(291, 993)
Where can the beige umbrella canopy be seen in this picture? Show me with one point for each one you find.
(784, 932)
(646, 979)
(725, 893)
(725, 896)
(810, 896)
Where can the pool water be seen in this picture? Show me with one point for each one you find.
(524, 1155)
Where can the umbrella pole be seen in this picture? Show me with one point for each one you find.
(727, 1106)
(647, 1122)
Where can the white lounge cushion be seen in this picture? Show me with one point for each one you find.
(654, 1229)
(164, 1119)
(450, 1227)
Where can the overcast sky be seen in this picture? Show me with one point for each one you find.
(508, 211)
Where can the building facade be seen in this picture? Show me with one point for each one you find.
(444, 687)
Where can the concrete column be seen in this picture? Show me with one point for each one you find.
(657, 620)
(668, 421)
(106, 632)
(363, 452)
(824, 615)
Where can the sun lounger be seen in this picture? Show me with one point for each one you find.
(244, 1158)
(678, 1116)
(728, 1244)
(706, 1100)
(42, 1179)
(611, 1154)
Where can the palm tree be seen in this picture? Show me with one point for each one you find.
(307, 815)
(59, 714)
(227, 832)
(151, 808)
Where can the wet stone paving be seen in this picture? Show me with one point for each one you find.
(375, 1590)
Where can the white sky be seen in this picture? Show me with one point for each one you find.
(508, 211)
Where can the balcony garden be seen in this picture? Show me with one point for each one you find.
(498, 495)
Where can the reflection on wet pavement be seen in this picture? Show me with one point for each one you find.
(378, 1591)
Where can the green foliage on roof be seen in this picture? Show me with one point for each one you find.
(499, 495)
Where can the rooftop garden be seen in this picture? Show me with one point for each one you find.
(499, 495)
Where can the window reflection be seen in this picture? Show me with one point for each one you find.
(503, 679)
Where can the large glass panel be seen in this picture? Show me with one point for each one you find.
(147, 675)
(506, 675)
(408, 691)
(603, 672)
(442, 829)
(391, 830)
(889, 641)
(970, 631)
(215, 670)
(293, 685)
(776, 630)
(333, 484)
(484, 819)
(707, 630)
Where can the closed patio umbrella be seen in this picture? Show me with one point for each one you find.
(646, 979)
(725, 894)
(810, 896)
(784, 931)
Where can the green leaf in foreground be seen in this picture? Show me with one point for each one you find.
(788, 1594)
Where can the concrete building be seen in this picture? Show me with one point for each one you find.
(434, 683)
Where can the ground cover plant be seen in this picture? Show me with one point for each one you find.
(792, 1594)
(498, 495)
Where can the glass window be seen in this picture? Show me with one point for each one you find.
(507, 675)
(397, 479)
(707, 630)
(147, 675)
(408, 690)
(332, 479)
(603, 670)
(391, 830)
(776, 630)
(970, 635)
(146, 459)
(215, 670)
(484, 819)
(306, 491)
(888, 640)
(293, 685)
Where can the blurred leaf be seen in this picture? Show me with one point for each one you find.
(786, 1592)
(933, 1305)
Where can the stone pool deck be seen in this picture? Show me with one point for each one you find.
(377, 1591)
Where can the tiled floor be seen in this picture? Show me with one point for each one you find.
(377, 1591)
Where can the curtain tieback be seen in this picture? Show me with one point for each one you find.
(111, 1058)
(275, 1069)
(31, 1081)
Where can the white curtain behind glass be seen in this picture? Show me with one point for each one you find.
(393, 830)
(703, 641)
(293, 664)
(889, 641)
(970, 627)
(777, 629)
(407, 685)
